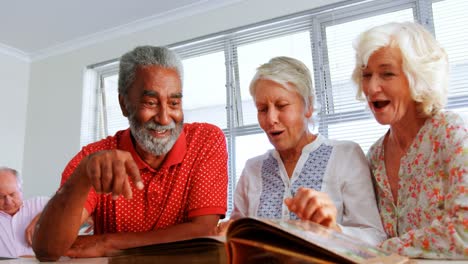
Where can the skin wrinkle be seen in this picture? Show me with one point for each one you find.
(141, 129)
(152, 100)
(11, 198)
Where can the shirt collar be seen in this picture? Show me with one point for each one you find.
(173, 157)
(312, 146)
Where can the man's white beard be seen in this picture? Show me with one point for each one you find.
(153, 145)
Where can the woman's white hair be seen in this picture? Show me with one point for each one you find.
(425, 62)
(290, 73)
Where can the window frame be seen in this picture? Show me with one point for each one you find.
(315, 21)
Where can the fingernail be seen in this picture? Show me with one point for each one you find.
(140, 185)
(115, 197)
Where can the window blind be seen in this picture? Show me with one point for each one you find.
(219, 67)
(450, 22)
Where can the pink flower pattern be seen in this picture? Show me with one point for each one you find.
(430, 219)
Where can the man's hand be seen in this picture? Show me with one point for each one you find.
(109, 172)
(91, 247)
(314, 206)
(222, 227)
(29, 232)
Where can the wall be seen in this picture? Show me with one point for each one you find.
(55, 96)
(14, 83)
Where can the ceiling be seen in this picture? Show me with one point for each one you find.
(34, 29)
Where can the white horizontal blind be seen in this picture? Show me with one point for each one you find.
(450, 23)
(342, 116)
(89, 107)
(219, 67)
(204, 92)
(250, 56)
(113, 117)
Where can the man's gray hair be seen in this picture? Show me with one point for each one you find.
(19, 180)
(142, 56)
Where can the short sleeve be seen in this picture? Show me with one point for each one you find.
(208, 193)
(68, 171)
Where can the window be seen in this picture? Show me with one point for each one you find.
(343, 117)
(205, 89)
(218, 70)
(252, 55)
(450, 22)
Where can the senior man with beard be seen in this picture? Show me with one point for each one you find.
(159, 181)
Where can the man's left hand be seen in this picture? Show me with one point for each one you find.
(92, 246)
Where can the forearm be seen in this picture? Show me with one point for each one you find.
(110, 244)
(361, 218)
(59, 223)
(445, 237)
(170, 234)
(441, 240)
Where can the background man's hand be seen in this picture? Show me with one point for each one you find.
(29, 232)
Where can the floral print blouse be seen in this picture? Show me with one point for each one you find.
(430, 219)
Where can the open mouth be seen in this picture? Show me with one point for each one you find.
(380, 104)
(276, 133)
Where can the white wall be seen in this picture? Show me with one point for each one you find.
(55, 96)
(14, 83)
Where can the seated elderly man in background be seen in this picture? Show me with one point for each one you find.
(159, 181)
(17, 217)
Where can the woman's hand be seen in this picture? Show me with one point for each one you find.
(314, 206)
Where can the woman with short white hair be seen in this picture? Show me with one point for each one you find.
(306, 176)
(420, 166)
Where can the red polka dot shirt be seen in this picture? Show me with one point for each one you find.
(192, 181)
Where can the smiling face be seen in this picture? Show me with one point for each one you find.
(282, 115)
(386, 87)
(154, 109)
(10, 196)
